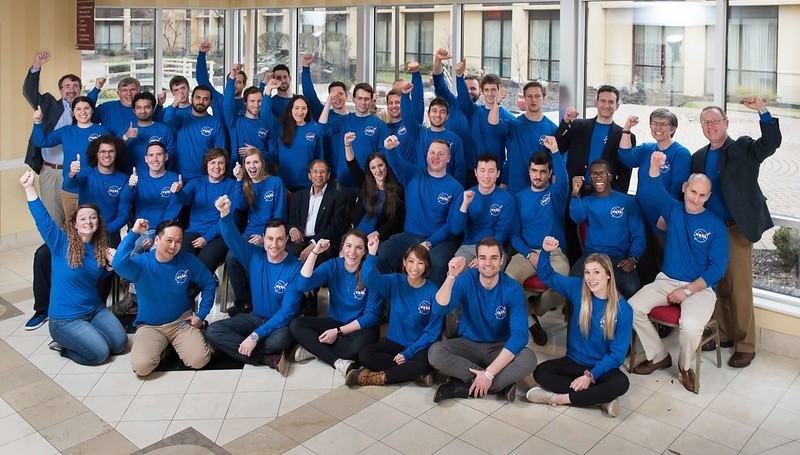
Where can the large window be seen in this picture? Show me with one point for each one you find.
(329, 34)
(419, 38)
(497, 43)
(384, 39)
(658, 57)
(184, 30)
(752, 49)
(543, 45)
(263, 41)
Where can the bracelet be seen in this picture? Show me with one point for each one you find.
(339, 333)
(314, 253)
(488, 375)
(589, 375)
(626, 131)
(450, 275)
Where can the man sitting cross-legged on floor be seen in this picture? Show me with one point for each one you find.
(165, 314)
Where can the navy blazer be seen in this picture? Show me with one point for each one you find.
(52, 109)
(330, 218)
(739, 163)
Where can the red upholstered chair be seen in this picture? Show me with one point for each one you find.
(534, 287)
(670, 316)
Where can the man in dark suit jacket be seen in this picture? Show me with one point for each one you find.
(586, 141)
(732, 166)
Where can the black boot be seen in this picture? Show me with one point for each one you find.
(453, 388)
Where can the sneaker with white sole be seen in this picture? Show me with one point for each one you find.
(343, 366)
(540, 395)
(300, 354)
(36, 321)
(611, 408)
(55, 346)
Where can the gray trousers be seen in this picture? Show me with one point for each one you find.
(455, 356)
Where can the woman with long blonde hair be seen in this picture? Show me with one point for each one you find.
(82, 327)
(596, 346)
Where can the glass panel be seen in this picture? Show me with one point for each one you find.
(329, 34)
(265, 36)
(123, 48)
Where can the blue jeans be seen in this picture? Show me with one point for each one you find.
(227, 334)
(627, 282)
(391, 252)
(91, 338)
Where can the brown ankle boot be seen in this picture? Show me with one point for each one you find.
(367, 377)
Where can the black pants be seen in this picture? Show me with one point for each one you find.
(556, 375)
(306, 332)
(380, 357)
(652, 260)
(212, 255)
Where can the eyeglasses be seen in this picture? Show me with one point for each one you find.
(106, 152)
(660, 124)
(598, 174)
(711, 122)
(364, 99)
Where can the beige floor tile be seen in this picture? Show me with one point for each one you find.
(379, 393)
(495, 436)
(260, 380)
(721, 429)
(614, 445)
(215, 381)
(459, 447)
(761, 441)
(595, 416)
(111, 384)
(773, 368)
(293, 399)
(675, 390)
(790, 448)
(487, 405)
(538, 445)
(571, 433)
(19, 295)
(303, 423)
(691, 444)
(669, 410)
(53, 411)
(109, 408)
(166, 382)
(411, 399)
(120, 363)
(379, 448)
(152, 407)
(78, 385)
(254, 404)
(76, 430)
(142, 434)
(529, 417)
(108, 443)
(407, 440)
(235, 428)
(263, 440)
(19, 374)
(378, 420)
(33, 444)
(635, 396)
(207, 427)
(299, 450)
(647, 432)
(340, 439)
(745, 410)
(32, 394)
(790, 401)
(77, 368)
(204, 406)
(655, 380)
(14, 427)
(452, 417)
(344, 402)
(309, 376)
(784, 423)
(765, 392)
(50, 363)
(5, 409)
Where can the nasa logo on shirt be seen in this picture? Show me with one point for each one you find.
(165, 192)
(701, 235)
(402, 131)
(92, 137)
(206, 131)
(605, 139)
(542, 138)
(181, 276)
(369, 131)
(617, 211)
(424, 307)
(269, 196)
(495, 209)
(154, 139)
(602, 323)
(262, 133)
(664, 168)
(500, 312)
(114, 190)
(360, 293)
(311, 137)
(280, 287)
(443, 198)
(545, 200)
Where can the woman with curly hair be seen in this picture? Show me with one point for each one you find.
(83, 329)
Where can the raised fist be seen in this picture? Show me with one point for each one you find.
(577, 185)
(140, 226)
(407, 87)
(442, 54)
(27, 179)
(391, 142)
(307, 59)
(549, 243)
(570, 115)
(205, 47)
(40, 59)
(632, 121)
(413, 67)
(37, 115)
(237, 171)
(349, 137)
(99, 82)
(550, 143)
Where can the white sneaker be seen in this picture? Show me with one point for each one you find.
(301, 354)
(540, 395)
(342, 366)
(55, 346)
(611, 408)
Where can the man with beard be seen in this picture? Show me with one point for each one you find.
(118, 115)
(281, 74)
(489, 355)
(144, 132)
(248, 128)
(165, 316)
(235, 94)
(198, 132)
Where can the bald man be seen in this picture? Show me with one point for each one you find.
(695, 258)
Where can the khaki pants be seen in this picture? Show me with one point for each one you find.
(151, 341)
(520, 269)
(50, 181)
(696, 310)
(69, 201)
(734, 310)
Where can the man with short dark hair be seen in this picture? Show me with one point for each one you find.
(118, 115)
(248, 128)
(165, 315)
(489, 356)
(218, 99)
(144, 132)
(281, 74)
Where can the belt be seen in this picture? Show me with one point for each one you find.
(54, 166)
(730, 222)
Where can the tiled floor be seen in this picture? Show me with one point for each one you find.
(49, 405)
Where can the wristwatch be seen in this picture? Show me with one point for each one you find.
(687, 291)
(339, 333)
(428, 244)
(254, 336)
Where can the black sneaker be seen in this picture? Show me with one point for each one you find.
(238, 308)
(453, 388)
(537, 331)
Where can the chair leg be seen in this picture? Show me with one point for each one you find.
(716, 339)
(697, 355)
(632, 361)
(223, 305)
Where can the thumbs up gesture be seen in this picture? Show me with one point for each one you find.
(37, 115)
(237, 171)
(75, 167)
(177, 186)
(134, 179)
(131, 133)
(460, 67)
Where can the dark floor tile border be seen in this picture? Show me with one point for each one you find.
(186, 437)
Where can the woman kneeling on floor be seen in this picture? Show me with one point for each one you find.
(600, 334)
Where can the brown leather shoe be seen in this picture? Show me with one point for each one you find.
(711, 345)
(648, 366)
(741, 359)
(687, 378)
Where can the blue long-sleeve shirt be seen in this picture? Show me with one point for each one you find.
(107, 191)
(456, 122)
(594, 351)
(246, 131)
(200, 194)
(161, 286)
(523, 138)
(613, 227)
(674, 172)
(370, 134)
(428, 199)
(269, 201)
(541, 213)
(152, 199)
(489, 316)
(74, 141)
(488, 215)
(411, 323)
(697, 244)
(136, 148)
(478, 117)
(217, 98)
(196, 135)
(273, 286)
(73, 292)
(348, 301)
